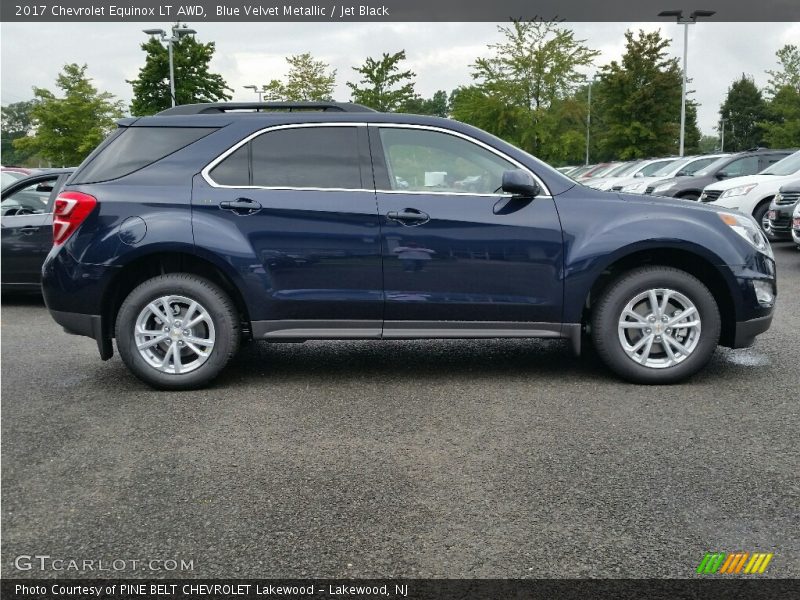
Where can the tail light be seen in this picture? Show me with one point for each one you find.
(71, 209)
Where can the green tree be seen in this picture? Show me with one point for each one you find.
(639, 100)
(194, 81)
(743, 110)
(708, 144)
(308, 79)
(789, 72)
(17, 123)
(691, 142)
(383, 86)
(782, 128)
(68, 128)
(529, 74)
(437, 105)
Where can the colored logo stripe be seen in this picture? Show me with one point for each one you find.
(733, 563)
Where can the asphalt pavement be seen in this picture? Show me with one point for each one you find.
(499, 458)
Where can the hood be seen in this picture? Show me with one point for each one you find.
(677, 203)
(747, 179)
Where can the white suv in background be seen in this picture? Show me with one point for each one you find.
(752, 194)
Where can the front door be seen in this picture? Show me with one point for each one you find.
(458, 254)
(296, 204)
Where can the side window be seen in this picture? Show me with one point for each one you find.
(30, 200)
(742, 166)
(307, 157)
(431, 161)
(297, 157)
(771, 159)
(234, 169)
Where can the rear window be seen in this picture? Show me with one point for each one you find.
(138, 147)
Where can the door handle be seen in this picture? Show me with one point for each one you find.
(408, 216)
(29, 229)
(241, 206)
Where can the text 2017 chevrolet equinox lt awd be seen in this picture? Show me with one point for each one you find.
(188, 231)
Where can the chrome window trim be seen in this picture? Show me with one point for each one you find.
(205, 172)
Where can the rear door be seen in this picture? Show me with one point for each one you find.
(293, 208)
(459, 256)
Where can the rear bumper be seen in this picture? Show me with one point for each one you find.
(746, 331)
(86, 325)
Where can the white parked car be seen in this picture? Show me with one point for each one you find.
(751, 195)
(644, 170)
(796, 225)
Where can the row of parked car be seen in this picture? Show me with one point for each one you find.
(758, 182)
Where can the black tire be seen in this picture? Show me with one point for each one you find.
(219, 308)
(608, 311)
(690, 196)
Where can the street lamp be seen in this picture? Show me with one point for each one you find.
(722, 135)
(256, 89)
(589, 115)
(178, 31)
(685, 21)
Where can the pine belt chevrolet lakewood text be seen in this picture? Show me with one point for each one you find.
(186, 232)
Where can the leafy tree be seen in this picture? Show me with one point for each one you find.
(383, 85)
(782, 129)
(68, 128)
(17, 123)
(308, 79)
(708, 144)
(639, 99)
(743, 110)
(194, 82)
(437, 105)
(691, 141)
(789, 72)
(530, 73)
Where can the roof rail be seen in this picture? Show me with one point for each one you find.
(215, 108)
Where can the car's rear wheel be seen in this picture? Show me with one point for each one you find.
(177, 331)
(656, 325)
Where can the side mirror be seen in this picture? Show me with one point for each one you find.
(520, 183)
(639, 174)
(681, 174)
(722, 175)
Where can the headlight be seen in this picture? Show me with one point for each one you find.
(662, 188)
(635, 188)
(746, 227)
(739, 191)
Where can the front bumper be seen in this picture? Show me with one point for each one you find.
(746, 331)
(86, 325)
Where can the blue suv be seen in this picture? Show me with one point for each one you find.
(186, 232)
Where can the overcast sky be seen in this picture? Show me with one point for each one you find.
(440, 53)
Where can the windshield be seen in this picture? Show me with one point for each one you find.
(787, 166)
(648, 170)
(668, 169)
(621, 169)
(713, 167)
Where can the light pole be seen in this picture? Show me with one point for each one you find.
(256, 89)
(685, 21)
(589, 116)
(178, 32)
(722, 135)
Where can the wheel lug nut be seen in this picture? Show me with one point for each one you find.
(648, 330)
(185, 332)
(166, 328)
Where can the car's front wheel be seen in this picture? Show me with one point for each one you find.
(177, 331)
(656, 325)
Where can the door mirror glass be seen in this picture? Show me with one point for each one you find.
(520, 183)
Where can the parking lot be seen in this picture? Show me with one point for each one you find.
(415, 459)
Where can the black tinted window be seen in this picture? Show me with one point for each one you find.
(235, 169)
(137, 147)
(319, 157)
